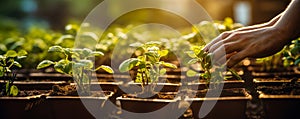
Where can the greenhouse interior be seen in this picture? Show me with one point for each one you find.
(152, 59)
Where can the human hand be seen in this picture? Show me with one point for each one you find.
(239, 44)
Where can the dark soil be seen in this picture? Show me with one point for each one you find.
(32, 93)
(26, 93)
(279, 90)
(159, 95)
(70, 90)
(272, 79)
(271, 70)
(290, 88)
(224, 93)
(281, 74)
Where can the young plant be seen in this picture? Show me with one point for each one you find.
(288, 56)
(291, 54)
(7, 62)
(205, 60)
(148, 63)
(78, 64)
(271, 62)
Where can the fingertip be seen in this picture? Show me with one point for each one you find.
(229, 64)
(205, 49)
(236, 58)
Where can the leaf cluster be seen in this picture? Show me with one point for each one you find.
(77, 63)
(197, 55)
(148, 62)
(8, 61)
(291, 54)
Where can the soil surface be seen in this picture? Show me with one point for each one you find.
(70, 90)
(270, 70)
(159, 95)
(213, 93)
(279, 90)
(26, 93)
(290, 88)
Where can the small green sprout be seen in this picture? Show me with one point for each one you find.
(7, 62)
(291, 54)
(148, 63)
(205, 60)
(80, 67)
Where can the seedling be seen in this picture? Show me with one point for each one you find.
(205, 60)
(7, 62)
(148, 63)
(292, 54)
(79, 67)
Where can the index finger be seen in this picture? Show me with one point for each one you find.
(217, 39)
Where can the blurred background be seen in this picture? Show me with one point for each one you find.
(55, 14)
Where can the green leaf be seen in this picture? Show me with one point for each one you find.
(205, 75)
(201, 53)
(286, 63)
(91, 35)
(7, 69)
(87, 52)
(289, 58)
(235, 74)
(22, 53)
(128, 64)
(16, 45)
(77, 50)
(1, 71)
(191, 54)
(44, 64)
(153, 49)
(11, 53)
(68, 51)
(71, 27)
(64, 37)
(196, 49)
(97, 53)
(105, 68)
(68, 68)
(14, 91)
(163, 53)
(170, 65)
(62, 66)
(193, 61)
(55, 49)
(59, 68)
(7, 87)
(295, 51)
(87, 63)
(79, 65)
(163, 71)
(3, 47)
(21, 57)
(17, 64)
(191, 73)
(297, 62)
(152, 57)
